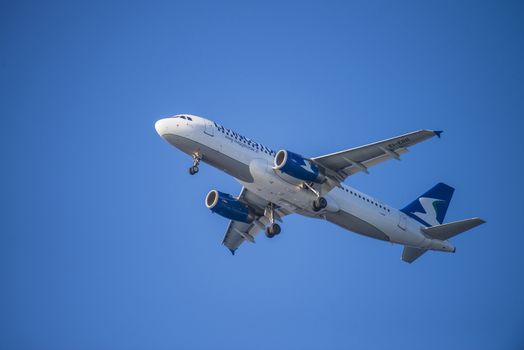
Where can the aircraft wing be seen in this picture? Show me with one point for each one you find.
(237, 232)
(342, 164)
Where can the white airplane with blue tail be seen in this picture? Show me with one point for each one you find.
(276, 184)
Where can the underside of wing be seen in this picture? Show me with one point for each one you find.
(238, 232)
(342, 164)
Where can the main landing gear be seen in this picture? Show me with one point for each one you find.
(319, 204)
(273, 229)
(196, 160)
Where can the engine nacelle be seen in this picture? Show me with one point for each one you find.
(295, 165)
(229, 207)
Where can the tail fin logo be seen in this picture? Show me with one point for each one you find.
(430, 206)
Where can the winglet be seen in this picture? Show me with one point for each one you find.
(232, 251)
(438, 132)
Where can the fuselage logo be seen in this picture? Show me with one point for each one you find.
(307, 166)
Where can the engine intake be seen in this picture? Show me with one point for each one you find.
(295, 165)
(229, 207)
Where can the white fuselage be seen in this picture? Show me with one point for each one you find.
(252, 165)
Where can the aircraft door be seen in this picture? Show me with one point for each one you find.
(402, 222)
(209, 128)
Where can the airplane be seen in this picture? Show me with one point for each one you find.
(277, 184)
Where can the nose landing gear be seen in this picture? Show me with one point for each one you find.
(196, 161)
(193, 170)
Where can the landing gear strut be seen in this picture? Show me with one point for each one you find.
(320, 202)
(196, 160)
(273, 229)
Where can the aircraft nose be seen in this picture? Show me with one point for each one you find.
(161, 126)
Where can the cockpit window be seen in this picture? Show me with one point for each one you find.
(183, 117)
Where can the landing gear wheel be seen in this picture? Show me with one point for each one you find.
(319, 204)
(273, 230)
(193, 170)
(196, 160)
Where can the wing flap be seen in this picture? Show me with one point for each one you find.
(368, 163)
(233, 239)
(348, 162)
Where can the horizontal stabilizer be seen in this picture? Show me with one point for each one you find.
(446, 231)
(410, 254)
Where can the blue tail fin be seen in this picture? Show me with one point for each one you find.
(430, 208)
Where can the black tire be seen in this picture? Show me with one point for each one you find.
(319, 204)
(275, 229)
(193, 170)
(269, 234)
(322, 202)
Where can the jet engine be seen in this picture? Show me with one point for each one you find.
(229, 207)
(295, 165)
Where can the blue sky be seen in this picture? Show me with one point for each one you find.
(105, 242)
